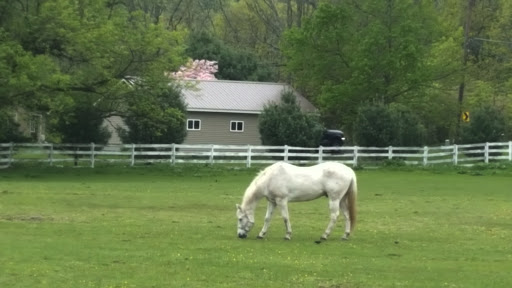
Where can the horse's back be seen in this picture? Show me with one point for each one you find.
(338, 169)
(336, 176)
(296, 183)
(322, 170)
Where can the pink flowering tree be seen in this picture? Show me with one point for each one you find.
(197, 70)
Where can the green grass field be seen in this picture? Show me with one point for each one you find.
(162, 226)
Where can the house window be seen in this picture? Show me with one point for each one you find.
(33, 124)
(193, 124)
(237, 126)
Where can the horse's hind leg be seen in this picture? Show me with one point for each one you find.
(268, 217)
(334, 208)
(284, 212)
(344, 209)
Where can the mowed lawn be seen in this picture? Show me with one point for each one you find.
(176, 227)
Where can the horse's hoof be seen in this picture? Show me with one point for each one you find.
(259, 237)
(344, 238)
(323, 238)
(287, 238)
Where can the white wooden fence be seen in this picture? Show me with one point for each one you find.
(132, 154)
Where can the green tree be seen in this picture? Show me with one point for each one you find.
(82, 123)
(157, 119)
(490, 79)
(380, 125)
(285, 124)
(23, 75)
(194, 15)
(255, 26)
(373, 126)
(355, 52)
(409, 129)
(483, 53)
(82, 49)
(233, 64)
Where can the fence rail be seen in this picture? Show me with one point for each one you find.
(133, 154)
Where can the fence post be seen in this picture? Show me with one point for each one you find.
(133, 155)
(92, 155)
(51, 154)
(248, 162)
(455, 154)
(390, 152)
(425, 156)
(11, 152)
(75, 156)
(320, 154)
(211, 154)
(486, 152)
(355, 156)
(173, 154)
(286, 153)
(509, 150)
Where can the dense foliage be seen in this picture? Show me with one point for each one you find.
(9, 129)
(233, 64)
(285, 124)
(56, 54)
(82, 123)
(155, 118)
(488, 124)
(402, 52)
(381, 126)
(435, 59)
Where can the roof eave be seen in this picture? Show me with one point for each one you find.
(223, 111)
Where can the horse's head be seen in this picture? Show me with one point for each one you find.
(245, 222)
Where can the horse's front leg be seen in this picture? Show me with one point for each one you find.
(334, 208)
(284, 212)
(270, 209)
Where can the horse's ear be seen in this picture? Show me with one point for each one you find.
(238, 207)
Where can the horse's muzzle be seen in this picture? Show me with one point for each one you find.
(242, 236)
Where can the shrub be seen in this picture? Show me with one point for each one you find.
(373, 126)
(82, 123)
(155, 119)
(382, 125)
(285, 124)
(488, 124)
(408, 128)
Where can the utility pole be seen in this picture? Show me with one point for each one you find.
(465, 54)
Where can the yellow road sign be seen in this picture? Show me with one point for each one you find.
(465, 116)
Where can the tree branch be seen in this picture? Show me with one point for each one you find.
(174, 12)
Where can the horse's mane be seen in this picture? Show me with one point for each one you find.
(250, 195)
(250, 192)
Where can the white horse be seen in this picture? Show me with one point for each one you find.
(281, 183)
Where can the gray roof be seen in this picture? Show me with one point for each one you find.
(236, 96)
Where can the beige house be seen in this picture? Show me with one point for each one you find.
(224, 112)
(32, 124)
(113, 123)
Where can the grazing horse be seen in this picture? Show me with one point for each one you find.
(281, 183)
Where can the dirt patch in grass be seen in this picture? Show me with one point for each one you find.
(26, 218)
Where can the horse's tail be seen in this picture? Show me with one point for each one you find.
(351, 202)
